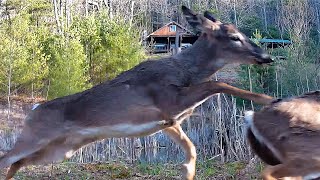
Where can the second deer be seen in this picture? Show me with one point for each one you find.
(286, 135)
(155, 95)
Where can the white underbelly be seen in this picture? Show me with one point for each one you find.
(123, 130)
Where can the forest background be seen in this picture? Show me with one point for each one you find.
(50, 49)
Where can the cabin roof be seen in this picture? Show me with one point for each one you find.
(265, 40)
(164, 31)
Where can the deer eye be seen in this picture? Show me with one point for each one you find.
(234, 38)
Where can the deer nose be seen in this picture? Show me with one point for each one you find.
(264, 58)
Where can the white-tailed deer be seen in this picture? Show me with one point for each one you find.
(155, 95)
(286, 135)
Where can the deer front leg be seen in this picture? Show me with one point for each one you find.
(190, 96)
(178, 136)
(255, 97)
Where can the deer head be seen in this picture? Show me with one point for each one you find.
(224, 42)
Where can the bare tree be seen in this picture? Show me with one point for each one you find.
(56, 15)
(297, 17)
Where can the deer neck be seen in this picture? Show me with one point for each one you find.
(200, 61)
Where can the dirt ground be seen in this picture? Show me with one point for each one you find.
(105, 171)
(74, 171)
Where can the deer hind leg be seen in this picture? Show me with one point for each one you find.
(20, 157)
(27, 144)
(177, 135)
(14, 168)
(46, 154)
(56, 150)
(297, 169)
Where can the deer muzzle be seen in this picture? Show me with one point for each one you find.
(263, 58)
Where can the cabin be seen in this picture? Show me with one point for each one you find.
(274, 43)
(163, 40)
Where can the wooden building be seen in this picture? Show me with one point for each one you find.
(275, 43)
(163, 40)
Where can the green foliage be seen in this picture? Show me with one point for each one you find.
(261, 78)
(122, 49)
(299, 73)
(211, 168)
(250, 25)
(257, 78)
(67, 68)
(314, 35)
(208, 168)
(22, 63)
(234, 167)
(35, 59)
(157, 169)
(111, 46)
(274, 33)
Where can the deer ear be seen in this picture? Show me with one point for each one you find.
(192, 18)
(209, 16)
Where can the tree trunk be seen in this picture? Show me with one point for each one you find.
(68, 12)
(56, 15)
(9, 86)
(86, 8)
(235, 13)
(265, 15)
(131, 15)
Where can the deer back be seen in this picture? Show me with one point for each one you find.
(288, 127)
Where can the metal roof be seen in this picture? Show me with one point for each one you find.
(186, 32)
(265, 40)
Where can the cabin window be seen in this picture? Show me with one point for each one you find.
(173, 28)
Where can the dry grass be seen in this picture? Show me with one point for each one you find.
(100, 171)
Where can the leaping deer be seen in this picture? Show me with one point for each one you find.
(286, 135)
(153, 96)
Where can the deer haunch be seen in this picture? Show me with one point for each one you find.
(285, 134)
(155, 95)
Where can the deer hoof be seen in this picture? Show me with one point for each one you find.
(266, 175)
(188, 172)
